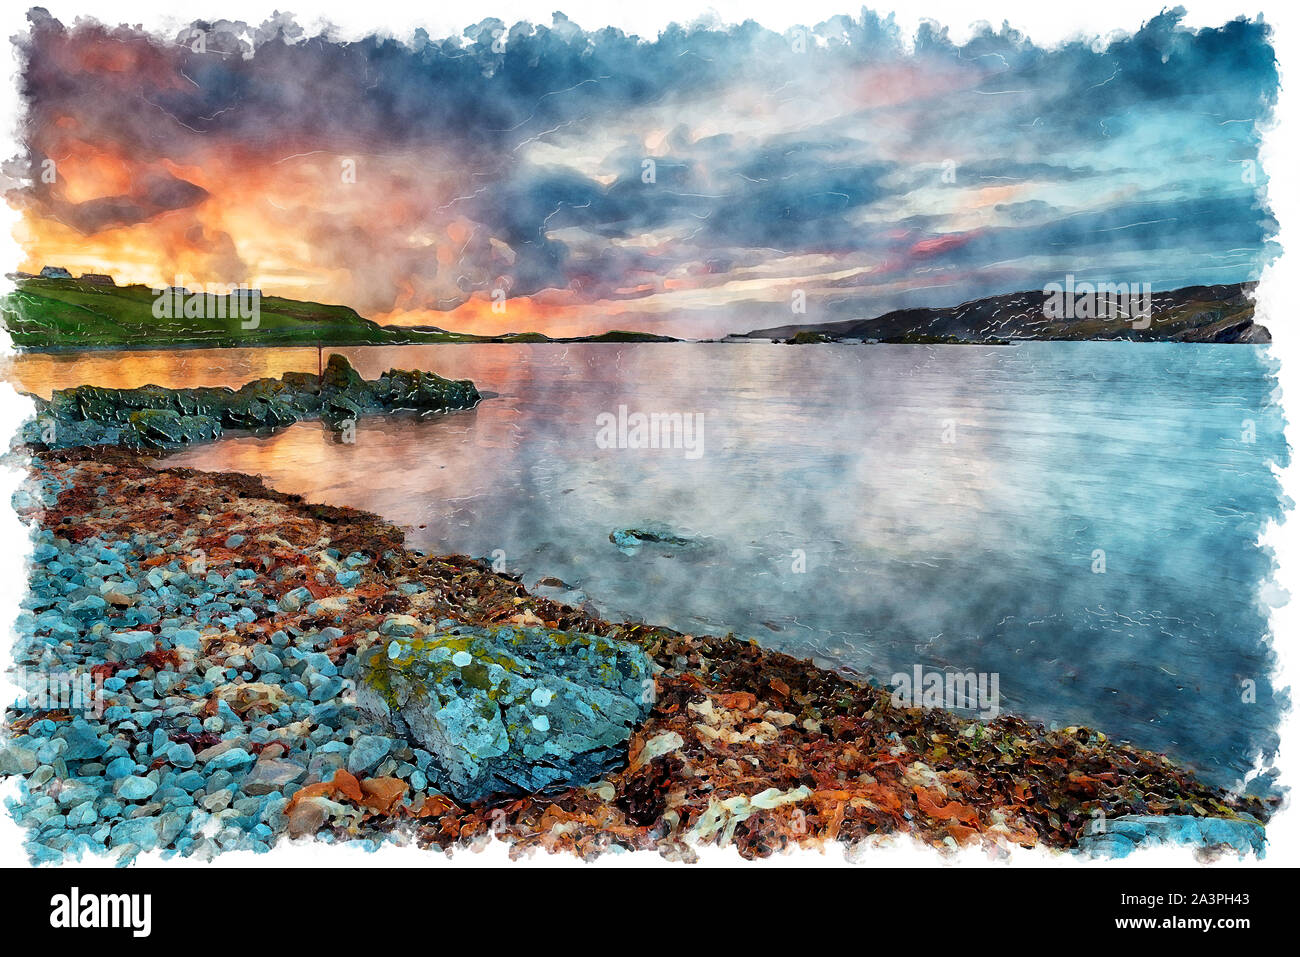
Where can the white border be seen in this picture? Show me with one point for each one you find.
(1045, 23)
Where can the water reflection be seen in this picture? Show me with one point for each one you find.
(948, 504)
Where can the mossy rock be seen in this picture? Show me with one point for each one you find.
(166, 428)
(510, 710)
(339, 375)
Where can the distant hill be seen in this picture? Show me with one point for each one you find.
(1192, 314)
(620, 335)
(55, 311)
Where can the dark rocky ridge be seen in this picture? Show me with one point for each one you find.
(156, 418)
(1222, 314)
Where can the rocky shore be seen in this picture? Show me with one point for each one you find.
(267, 668)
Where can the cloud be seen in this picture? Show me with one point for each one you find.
(157, 193)
(517, 157)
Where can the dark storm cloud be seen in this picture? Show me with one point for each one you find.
(154, 194)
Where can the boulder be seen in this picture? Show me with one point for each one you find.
(301, 381)
(340, 376)
(16, 760)
(400, 389)
(631, 538)
(507, 710)
(337, 409)
(164, 428)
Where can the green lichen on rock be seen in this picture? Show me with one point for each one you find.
(509, 710)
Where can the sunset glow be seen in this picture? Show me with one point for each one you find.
(418, 182)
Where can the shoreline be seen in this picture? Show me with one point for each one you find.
(734, 340)
(1214, 314)
(743, 746)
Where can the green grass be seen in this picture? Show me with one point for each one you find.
(68, 313)
(50, 314)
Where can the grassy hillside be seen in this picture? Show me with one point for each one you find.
(70, 313)
(48, 314)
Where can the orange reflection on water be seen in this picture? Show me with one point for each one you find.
(427, 463)
(41, 374)
(494, 367)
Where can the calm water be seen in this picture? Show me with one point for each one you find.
(949, 504)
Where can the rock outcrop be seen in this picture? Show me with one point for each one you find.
(152, 417)
(508, 710)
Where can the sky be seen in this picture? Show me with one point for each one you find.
(566, 180)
